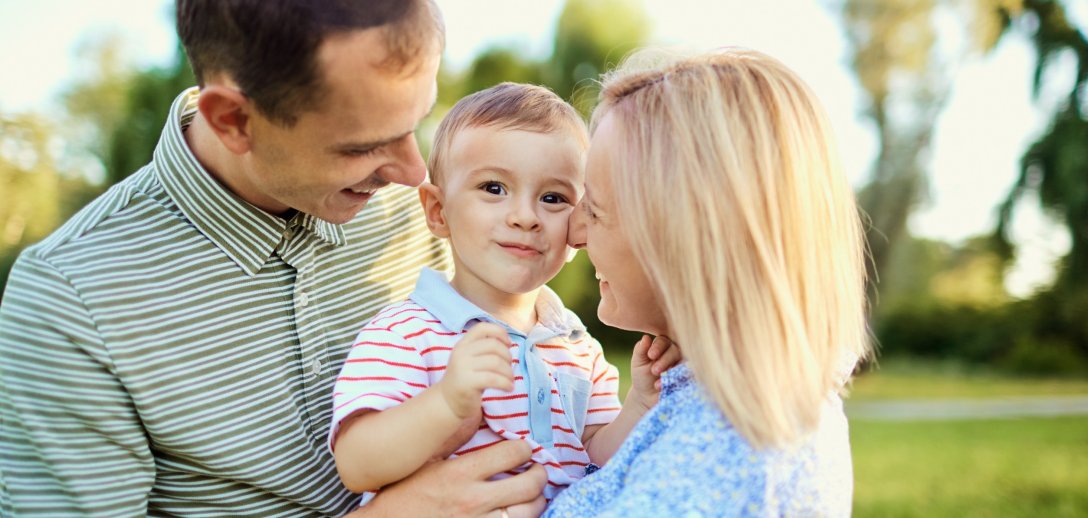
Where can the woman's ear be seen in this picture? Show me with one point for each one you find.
(226, 110)
(430, 196)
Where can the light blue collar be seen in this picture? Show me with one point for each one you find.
(436, 295)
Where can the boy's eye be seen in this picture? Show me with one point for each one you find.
(494, 188)
(552, 197)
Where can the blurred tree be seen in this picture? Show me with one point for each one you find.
(1055, 165)
(147, 101)
(498, 64)
(591, 37)
(893, 53)
(95, 103)
(34, 186)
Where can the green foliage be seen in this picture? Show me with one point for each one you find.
(1056, 165)
(592, 36)
(1008, 468)
(148, 100)
(499, 64)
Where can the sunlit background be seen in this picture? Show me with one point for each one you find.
(962, 125)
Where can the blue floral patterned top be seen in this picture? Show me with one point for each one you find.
(684, 459)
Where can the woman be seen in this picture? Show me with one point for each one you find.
(716, 214)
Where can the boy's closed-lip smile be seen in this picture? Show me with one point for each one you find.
(519, 249)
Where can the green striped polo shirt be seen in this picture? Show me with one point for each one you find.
(171, 350)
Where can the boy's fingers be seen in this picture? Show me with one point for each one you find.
(642, 346)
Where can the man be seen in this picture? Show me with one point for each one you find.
(171, 349)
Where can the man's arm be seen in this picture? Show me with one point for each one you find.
(460, 487)
(71, 442)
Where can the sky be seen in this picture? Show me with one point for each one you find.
(973, 159)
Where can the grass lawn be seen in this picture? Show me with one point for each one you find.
(986, 468)
(1029, 467)
(906, 379)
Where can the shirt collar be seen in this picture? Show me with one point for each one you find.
(435, 294)
(245, 233)
(676, 378)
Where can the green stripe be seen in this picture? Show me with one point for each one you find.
(155, 350)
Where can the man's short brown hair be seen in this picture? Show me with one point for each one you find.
(269, 47)
(515, 106)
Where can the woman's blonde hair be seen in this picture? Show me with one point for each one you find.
(731, 194)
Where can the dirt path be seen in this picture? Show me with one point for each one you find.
(946, 409)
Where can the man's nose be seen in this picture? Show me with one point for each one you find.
(407, 167)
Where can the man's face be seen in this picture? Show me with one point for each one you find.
(359, 138)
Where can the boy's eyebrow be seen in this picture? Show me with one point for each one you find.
(360, 147)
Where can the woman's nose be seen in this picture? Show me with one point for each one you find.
(576, 228)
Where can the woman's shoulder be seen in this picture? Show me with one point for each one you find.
(700, 454)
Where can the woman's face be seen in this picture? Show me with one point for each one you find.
(627, 298)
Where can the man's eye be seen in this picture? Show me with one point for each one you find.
(494, 188)
(552, 197)
(360, 152)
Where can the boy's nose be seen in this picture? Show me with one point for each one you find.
(523, 215)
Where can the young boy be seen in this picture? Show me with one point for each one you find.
(506, 171)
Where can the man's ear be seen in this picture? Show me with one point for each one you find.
(227, 112)
(430, 196)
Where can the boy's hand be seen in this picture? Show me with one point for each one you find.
(649, 359)
(479, 361)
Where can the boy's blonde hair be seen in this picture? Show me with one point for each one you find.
(509, 106)
(731, 194)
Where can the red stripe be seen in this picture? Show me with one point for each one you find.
(385, 344)
(360, 396)
(551, 346)
(380, 378)
(603, 394)
(394, 324)
(567, 364)
(571, 446)
(610, 409)
(506, 398)
(395, 364)
(601, 376)
(435, 348)
(477, 448)
(506, 416)
(427, 329)
(387, 317)
(573, 463)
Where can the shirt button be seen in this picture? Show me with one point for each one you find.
(303, 299)
(316, 367)
(540, 396)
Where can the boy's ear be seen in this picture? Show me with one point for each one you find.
(430, 196)
(227, 112)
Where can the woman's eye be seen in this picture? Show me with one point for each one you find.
(493, 188)
(552, 197)
(589, 211)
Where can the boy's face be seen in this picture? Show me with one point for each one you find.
(507, 195)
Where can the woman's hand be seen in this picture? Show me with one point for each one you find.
(649, 359)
